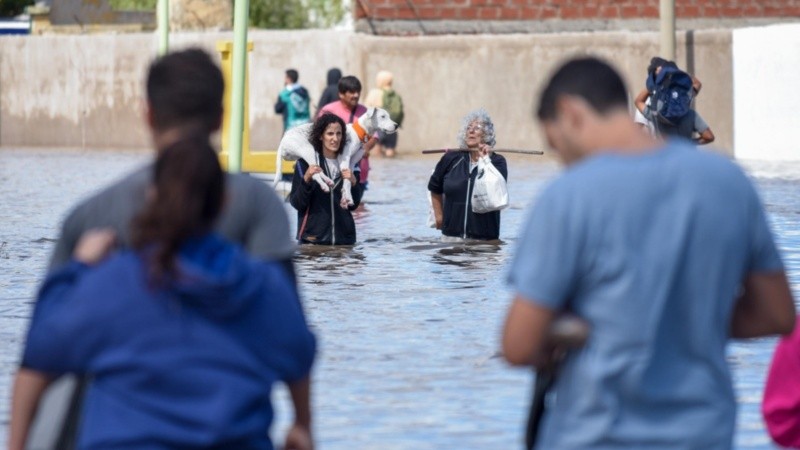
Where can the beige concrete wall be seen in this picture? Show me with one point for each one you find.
(87, 90)
(441, 78)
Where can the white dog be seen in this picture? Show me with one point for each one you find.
(294, 145)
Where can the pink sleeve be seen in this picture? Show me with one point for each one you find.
(781, 405)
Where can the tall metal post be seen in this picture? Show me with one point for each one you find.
(240, 22)
(163, 26)
(667, 16)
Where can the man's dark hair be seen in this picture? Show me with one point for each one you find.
(349, 84)
(656, 62)
(293, 75)
(184, 90)
(588, 78)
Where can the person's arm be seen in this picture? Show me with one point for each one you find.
(641, 100)
(356, 188)
(525, 333)
(765, 307)
(369, 145)
(293, 353)
(696, 85)
(280, 106)
(302, 187)
(706, 137)
(436, 188)
(299, 436)
(29, 386)
(437, 203)
(781, 402)
(67, 309)
(71, 230)
(544, 275)
(701, 127)
(60, 315)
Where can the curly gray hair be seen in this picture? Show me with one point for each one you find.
(481, 117)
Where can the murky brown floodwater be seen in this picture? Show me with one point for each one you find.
(408, 325)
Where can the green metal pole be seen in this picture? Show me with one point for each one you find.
(239, 63)
(667, 18)
(163, 26)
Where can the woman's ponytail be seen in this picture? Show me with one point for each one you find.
(189, 183)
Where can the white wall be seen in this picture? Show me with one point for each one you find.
(766, 92)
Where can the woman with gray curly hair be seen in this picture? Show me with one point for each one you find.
(454, 178)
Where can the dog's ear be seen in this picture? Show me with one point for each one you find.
(371, 111)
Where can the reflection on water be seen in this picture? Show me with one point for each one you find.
(408, 322)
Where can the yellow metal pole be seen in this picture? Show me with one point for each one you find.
(225, 49)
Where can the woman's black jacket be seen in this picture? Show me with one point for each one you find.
(453, 179)
(320, 219)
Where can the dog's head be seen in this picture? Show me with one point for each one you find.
(377, 119)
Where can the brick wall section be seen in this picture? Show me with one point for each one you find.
(568, 9)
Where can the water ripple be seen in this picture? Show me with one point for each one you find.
(408, 324)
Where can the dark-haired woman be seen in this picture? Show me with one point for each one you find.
(321, 217)
(184, 335)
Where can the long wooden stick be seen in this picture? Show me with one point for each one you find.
(502, 150)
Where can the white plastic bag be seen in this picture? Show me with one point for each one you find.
(490, 192)
(431, 216)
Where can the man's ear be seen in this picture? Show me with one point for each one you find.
(571, 110)
(148, 115)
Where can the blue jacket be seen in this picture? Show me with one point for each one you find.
(187, 365)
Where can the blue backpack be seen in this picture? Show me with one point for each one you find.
(672, 94)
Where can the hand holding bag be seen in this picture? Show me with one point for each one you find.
(490, 192)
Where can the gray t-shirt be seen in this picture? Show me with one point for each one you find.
(651, 250)
(253, 216)
(689, 124)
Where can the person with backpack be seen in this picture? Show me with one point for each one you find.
(666, 103)
(666, 253)
(385, 97)
(293, 102)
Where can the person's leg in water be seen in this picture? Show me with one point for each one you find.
(388, 144)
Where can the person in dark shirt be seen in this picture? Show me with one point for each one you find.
(454, 177)
(293, 102)
(320, 217)
(331, 92)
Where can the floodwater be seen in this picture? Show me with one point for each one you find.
(408, 325)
